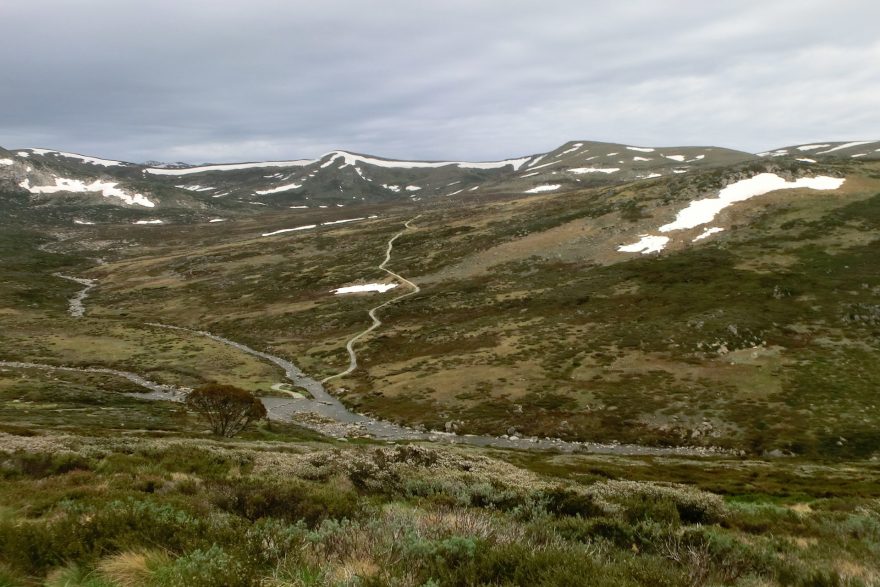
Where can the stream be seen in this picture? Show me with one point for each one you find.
(76, 307)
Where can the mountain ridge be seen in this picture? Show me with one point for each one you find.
(340, 178)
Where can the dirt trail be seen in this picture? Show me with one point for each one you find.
(349, 346)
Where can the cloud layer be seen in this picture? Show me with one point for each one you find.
(217, 80)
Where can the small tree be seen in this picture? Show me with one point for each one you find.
(228, 409)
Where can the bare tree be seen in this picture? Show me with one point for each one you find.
(228, 409)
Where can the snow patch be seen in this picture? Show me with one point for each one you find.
(707, 233)
(535, 160)
(546, 164)
(212, 220)
(283, 230)
(811, 147)
(6, 162)
(582, 170)
(195, 188)
(412, 188)
(352, 159)
(544, 188)
(647, 244)
(281, 188)
(846, 146)
(529, 174)
(148, 222)
(341, 221)
(107, 189)
(777, 153)
(679, 158)
(641, 149)
(573, 148)
(642, 159)
(227, 167)
(379, 287)
(83, 222)
(805, 160)
(704, 211)
(83, 158)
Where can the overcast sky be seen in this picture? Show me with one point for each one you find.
(223, 80)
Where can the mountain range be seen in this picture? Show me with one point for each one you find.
(92, 189)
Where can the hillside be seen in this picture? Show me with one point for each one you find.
(663, 374)
(634, 309)
(106, 190)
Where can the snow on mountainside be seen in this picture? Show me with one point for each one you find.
(584, 163)
(346, 158)
(703, 211)
(342, 178)
(107, 189)
(810, 153)
(225, 167)
(90, 160)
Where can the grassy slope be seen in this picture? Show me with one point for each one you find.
(529, 320)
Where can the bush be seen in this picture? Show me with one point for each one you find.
(40, 465)
(564, 502)
(653, 508)
(286, 500)
(204, 568)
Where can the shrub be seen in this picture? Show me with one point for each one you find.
(287, 500)
(654, 508)
(40, 465)
(204, 568)
(564, 502)
(653, 500)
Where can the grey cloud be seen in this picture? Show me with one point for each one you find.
(223, 80)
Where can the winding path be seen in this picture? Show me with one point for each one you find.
(349, 346)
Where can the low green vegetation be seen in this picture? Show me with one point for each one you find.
(80, 510)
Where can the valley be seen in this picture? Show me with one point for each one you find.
(659, 367)
(524, 315)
